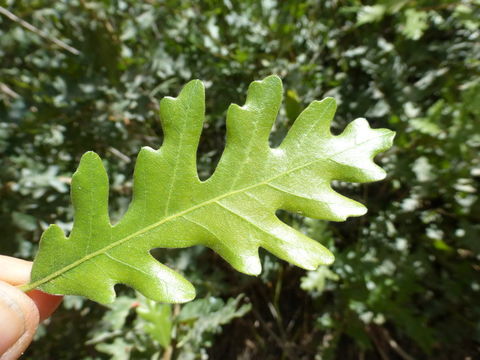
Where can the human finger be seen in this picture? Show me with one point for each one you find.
(19, 318)
(17, 272)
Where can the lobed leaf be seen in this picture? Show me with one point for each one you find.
(232, 212)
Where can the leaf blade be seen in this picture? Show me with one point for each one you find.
(232, 212)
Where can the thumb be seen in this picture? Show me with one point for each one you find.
(19, 318)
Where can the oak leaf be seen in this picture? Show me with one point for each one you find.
(232, 212)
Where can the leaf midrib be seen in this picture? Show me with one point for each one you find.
(36, 284)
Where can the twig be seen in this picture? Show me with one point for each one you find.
(378, 342)
(169, 350)
(7, 90)
(37, 31)
(394, 345)
(281, 343)
(167, 355)
(119, 154)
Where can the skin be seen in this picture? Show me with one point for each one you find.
(20, 313)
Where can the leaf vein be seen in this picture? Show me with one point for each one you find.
(148, 228)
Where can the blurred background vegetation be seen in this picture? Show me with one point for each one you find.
(78, 75)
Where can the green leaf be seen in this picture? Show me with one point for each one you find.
(233, 212)
(119, 349)
(204, 317)
(24, 221)
(113, 320)
(415, 24)
(317, 280)
(157, 321)
(369, 14)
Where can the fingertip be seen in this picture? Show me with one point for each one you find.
(19, 318)
(17, 272)
(14, 271)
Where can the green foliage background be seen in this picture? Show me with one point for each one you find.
(406, 281)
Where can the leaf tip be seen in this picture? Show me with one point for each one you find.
(190, 90)
(53, 233)
(54, 230)
(356, 209)
(193, 86)
(272, 81)
(90, 156)
(89, 160)
(184, 293)
(390, 135)
(328, 101)
(327, 258)
(322, 256)
(248, 263)
(328, 107)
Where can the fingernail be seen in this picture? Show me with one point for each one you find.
(12, 324)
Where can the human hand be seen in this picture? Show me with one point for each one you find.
(20, 313)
